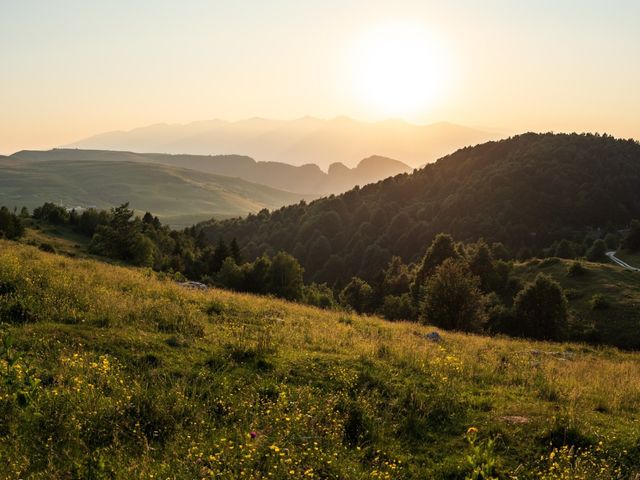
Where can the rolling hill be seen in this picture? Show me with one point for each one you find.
(297, 142)
(306, 179)
(525, 191)
(113, 372)
(179, 196)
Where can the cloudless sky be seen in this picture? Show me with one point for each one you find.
(72, 68)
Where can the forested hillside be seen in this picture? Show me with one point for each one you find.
(527, 192)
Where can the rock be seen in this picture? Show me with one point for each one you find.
(193, 285)
(434, 337)
(514, 419)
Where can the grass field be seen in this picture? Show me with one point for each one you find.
(112, 372)
(603, 300)
(632, 259)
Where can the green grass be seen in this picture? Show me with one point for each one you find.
(113, 372)
(61, 238)
(619, 323)
(178, 196)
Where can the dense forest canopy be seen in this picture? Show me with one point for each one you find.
(527, 192)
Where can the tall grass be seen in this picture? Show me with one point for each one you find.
(110, 372)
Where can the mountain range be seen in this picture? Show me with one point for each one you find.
(297, 142)
(179, 196)
(305, 179)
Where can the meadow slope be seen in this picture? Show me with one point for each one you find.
(179, 196)
(114, 372)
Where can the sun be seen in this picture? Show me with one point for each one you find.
(398, 70)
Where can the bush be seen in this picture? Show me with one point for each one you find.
(453, 299)
(573, 294)
(597, 252)
(358, 295)
(318, 295)
(47, 247)
(285, 277)
(565, 249)
(576, 269)
(10, 224)
(540, 309)
(547, 262)
(398, 307)
(599, 302)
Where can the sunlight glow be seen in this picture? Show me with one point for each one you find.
(399, 70)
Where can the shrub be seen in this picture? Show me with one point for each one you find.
(47, 247)
(453, 299)
(10, 224)
(318, 295)
(547, 262)
(576, 269)
(597, 251)
(541, 309)
(398, 307)
(564, 249)
(599, 302)
(573, 294)
(285, 277)
(358, 295)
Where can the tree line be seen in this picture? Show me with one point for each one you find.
(465, 286)
(527, 192)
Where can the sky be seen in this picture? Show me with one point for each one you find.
(74, 68)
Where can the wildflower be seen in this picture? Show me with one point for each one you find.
(253, 434)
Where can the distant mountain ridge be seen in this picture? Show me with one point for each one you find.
(297, 142)
(305, 179)
(179, 196)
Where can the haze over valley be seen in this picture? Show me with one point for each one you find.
(297, 142)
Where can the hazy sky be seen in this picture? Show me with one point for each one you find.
(72, 68)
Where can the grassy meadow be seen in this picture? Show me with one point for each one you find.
(114, 372)
(603, 299)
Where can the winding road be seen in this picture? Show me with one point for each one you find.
(612, 256)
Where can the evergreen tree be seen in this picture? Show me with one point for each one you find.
(220, 254)
(481, 265)
(234, 249)
(442, 248)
